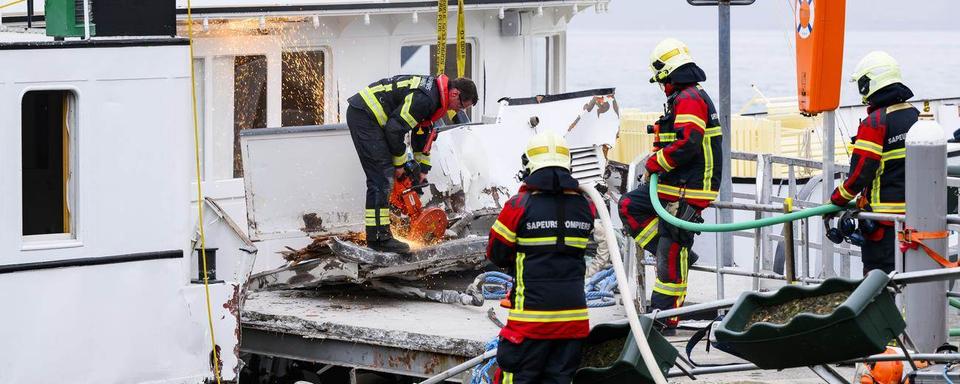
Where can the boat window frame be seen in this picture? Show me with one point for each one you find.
(72, 238)
(330, 104)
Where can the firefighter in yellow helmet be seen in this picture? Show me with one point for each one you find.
(878, 161)
(540, 238)
(687, 158)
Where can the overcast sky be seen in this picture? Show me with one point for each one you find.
(769, 14)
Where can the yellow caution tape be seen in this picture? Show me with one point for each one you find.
(461, 43)
(441, 36)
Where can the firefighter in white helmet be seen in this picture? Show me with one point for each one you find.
(877, 164)
(687, 158)
(540, 238)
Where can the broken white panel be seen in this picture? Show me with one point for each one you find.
(483, 160)
(293, 172)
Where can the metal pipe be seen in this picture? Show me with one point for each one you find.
(460, 368)
(829, 375)
(761, 275)
(726, 181)
(805, 251)
(939, 357)
(29, 14)
(926, 192)
(713, 370)
(938, 274)
(829, 130)
(747, 206)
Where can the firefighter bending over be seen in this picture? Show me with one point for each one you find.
(379, 117)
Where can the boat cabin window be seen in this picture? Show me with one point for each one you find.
(249, 101)
(543, 67)
(302, 100)
(199, 83)
(47, 159)
(422, 59)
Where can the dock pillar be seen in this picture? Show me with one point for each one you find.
(926, 177)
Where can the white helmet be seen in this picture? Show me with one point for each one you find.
(876, 70)
(666, 57)
(546, 149)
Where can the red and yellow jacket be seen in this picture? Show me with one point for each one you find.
(688, 147)
(540, 237)
(878, 161)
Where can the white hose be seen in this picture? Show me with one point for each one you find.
(628, 302)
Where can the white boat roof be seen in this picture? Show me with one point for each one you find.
(18, 12)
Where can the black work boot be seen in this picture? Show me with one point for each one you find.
(390, 245)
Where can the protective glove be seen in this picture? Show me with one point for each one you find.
(673, 207)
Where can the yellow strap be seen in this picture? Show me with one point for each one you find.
(844, 193)
(898, 107)
(461, 41)
(869, 147)
(507, 234)
(521, 285)
(687, 118)
(399, 160)
(548, 316)
(895, 154)
(648, 232)
(551, 240)
(422, 158)
(15, 2)
(663, 161)
(441, 36)
(405, 111)
(371, 100)
(196, 154)
(688, 193)
(412, 82)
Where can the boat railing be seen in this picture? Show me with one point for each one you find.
(773, 259)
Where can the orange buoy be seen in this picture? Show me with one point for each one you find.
(819, 37)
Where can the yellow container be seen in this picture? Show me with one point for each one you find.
(781, 133)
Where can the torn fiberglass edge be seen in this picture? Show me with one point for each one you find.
(482, 161)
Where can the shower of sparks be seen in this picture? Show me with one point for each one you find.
(302, 79)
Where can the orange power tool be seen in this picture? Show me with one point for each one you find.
(426, 225)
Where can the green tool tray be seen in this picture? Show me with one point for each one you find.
(861, 326)
(629, 366)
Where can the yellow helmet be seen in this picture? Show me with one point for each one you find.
(876, 70)
(666, 57)
(546, 149)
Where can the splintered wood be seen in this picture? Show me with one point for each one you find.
(320, 247)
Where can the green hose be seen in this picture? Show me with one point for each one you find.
(954, 303)
(730, 227)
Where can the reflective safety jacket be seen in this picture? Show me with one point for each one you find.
(688, 147)
(540, 237)
(403, 103)
(878, 161)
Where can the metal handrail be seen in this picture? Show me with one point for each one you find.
(762, 237)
